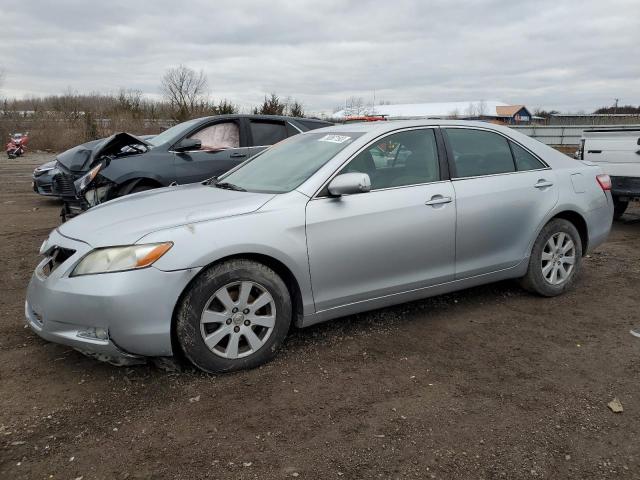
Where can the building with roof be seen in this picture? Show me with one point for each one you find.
(488, 110)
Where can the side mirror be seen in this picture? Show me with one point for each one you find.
(188, 144)
(349, 183)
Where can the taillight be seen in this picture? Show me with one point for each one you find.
(605, 181)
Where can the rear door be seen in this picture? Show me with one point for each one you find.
(503, 192)
(223, 147)
(263, 133)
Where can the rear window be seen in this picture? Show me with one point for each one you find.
(524, 160)
(479, 152)
(267, 133)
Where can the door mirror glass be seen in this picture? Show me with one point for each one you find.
(349, 183)
(188, 144)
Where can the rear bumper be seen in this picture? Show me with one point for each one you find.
(599, 221)
(625, 187)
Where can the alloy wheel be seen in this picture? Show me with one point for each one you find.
(238, 319)
(558, 258)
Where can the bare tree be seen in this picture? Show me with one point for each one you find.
(185, 90)
(354, 106)
(453, 114)
(481, 109)
(470, 112)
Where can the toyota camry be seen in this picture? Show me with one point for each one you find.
(324, 224)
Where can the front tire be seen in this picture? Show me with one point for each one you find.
(234, 316)
(556, 259)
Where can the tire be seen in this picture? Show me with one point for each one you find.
(540, 278)
(619, 207)
(232, 346)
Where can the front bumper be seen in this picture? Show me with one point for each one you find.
(42, 186)
(134, 308)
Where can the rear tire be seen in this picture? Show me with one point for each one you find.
(619, 207)
(234, 316)
(555, 261)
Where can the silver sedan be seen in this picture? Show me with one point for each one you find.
(322, 225)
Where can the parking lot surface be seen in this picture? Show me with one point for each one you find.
(485, 383)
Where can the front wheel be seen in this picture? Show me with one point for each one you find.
(234, 316)
(556, 259)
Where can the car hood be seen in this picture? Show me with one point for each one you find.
(125, 220)
(82, 157)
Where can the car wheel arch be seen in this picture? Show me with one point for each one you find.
(129, 185)
(576, 219)
(276, 265)
(579, 222)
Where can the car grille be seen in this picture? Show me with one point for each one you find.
(62, 184)
(57, 257)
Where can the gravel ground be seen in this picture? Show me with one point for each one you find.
(487, 383)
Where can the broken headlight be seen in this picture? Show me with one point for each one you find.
(84, 181)
(118, 259)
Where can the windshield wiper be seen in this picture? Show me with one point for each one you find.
(229, 186)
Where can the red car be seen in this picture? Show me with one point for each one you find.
(17, 144)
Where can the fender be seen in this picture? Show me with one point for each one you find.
(125, 187)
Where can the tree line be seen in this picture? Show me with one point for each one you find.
(185, 95)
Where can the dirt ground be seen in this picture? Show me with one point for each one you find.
(487, 383)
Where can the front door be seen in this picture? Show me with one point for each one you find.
(398, 237)
(222, 149)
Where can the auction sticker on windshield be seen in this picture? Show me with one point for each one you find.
(334, 138)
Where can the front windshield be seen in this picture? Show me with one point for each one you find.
(169, 134)
(288, 164)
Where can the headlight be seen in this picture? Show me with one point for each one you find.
(40, 171)
(84, 181)
(118, 259)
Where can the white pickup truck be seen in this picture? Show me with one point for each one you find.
(617, 152)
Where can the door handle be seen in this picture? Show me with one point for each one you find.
(543, 184)
(594, 151)
(238, 155)
(438, 200)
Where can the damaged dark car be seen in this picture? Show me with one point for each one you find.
(192, 151)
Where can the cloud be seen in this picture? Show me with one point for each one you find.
(570, 55)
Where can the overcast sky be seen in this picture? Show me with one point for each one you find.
(558, 54)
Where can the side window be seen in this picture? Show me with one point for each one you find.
(524, 160)
(405, 158)
(267, 133)
(478, 152)
(219, 136)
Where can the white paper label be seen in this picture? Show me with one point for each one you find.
(335, 138)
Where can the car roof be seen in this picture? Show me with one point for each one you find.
(387, 126)
(263, 117)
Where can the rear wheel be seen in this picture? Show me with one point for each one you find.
(619, 207)
(555, 259)
(234, 316)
